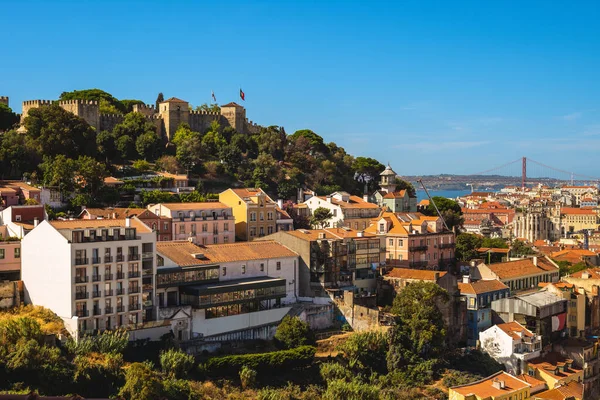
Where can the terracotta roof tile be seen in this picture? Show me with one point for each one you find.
(181, 252)
(174, 100)
(419, 274)
(330, 233)
(481, 286)
(485, 389)
(577, 211)
(207, 205)
(98, 223)
(594, 273)
(513, 329)
(550, 362)
(512, 269)
(108, 213)
(393, 195)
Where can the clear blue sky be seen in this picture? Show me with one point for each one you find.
(431, 87)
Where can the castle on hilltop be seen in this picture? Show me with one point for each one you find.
(170, 114)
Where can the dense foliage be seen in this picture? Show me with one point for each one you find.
(293, 332)
(450, 210)
(468, 243)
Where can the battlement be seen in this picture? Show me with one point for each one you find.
(192, 112)
(154, 116)
(144, 107)
(90, 102)
(37, 103)
(107, 122)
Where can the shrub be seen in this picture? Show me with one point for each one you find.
(229, 366)
(332, 371)
(293, 332)
(366, 350)
(456, 378)
(340, 389)
(176, 363)
(247, 377)
(108, 342)
(141, 383)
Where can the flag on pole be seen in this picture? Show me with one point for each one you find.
(213, 96)
(242, 95)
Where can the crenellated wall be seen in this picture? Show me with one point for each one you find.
(4, 100)
(147, 109)
(86, 109)
(200, 120)
(29, 104)
(108, 121)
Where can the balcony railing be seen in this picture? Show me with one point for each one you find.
(120, 291)
(81, 279)
(147, 254)
(82, 261)
(82, 313)
(108, 277)
(96, 278)
(81, 295)
(120, 258)
(133, 290)
(108, 310)
(417, 248)
(97, 311)
(133, 274)
(133, 257)
(96, 260)
(108, 293)
(108, 259)
(120, 275)
(134, 307)
(120, 308)
(96, 294)
(447, 245)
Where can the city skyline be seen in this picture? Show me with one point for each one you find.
(440, 90)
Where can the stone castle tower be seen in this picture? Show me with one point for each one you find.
(4, 100)
(174, 112)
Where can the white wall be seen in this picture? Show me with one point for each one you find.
(315, 202)
(46, 270)
(215, 326)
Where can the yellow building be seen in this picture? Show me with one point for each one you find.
(554, 369)
(500, 386)
(575, 219)
(254, 211)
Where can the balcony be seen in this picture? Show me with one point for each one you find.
(147, 272)
(147, 255)
(120, 258)
(120, 291)
(108, 277)
(418, 264)
(81, 279)
(82, 261)
(134, 307)
(120, 308)
(108, 310)
(96, 278)
(97, 311)
(417, 248)
(96, 294)
(108, 293)
(81, 295)
(120, 275)
(82, 313)
(133, 257)
(133, 274)
(96, 260)
(108, 259)
(133, 290)
(447, 245)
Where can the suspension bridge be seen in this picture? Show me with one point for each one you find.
(523, 172)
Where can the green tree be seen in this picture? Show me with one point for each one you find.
(248, 377)
(367, 171)
(176, 363)
(8, 119)
(366, 351)
(213, 142)
(107, 102)
(128, 104)
(320, 217)
(18, 154)
(418, 339)
(141, 383)
(56, 131)
(293, 332)
(134, 125)
(354, 390)
(148, 145)
(404, 185)
(107, 148)
(125, 147)
(315, 141)
(450, 210)
(467, 245)
(159, 99)
(189, 150)
(142, 166)
(213, 108)
(168, 163)
(272, 141)
(519, 249)
(59, 172)
(91, 174)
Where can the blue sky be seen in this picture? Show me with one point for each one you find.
(431, 87)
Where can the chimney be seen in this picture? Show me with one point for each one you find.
(127, 222)
(321, 235)
(466, 279)
(535, 260)
(280, 203)
(360, 234)
(436, 276)
(36, 221)
(497, 384)
(329, 199)
(366, 197)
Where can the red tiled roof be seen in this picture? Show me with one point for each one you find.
(577, 211)
(393, 195)
(513, 269)
(513, 329)
(481, 286)
(418, 274)
(485, 389)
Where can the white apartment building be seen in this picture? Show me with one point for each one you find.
(94, 274)
(226, 291)
(511, 344)
(347, 210)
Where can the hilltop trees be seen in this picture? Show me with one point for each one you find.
(8, 118)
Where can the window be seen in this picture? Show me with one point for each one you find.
(225, 239)
(1, 254)
(335, 212)
(400, 257)
(270, 216)
(252, 232)
(243, 269)
(224, 271)
(269, 230)
(262, 267)
(182, 228)
(400, 242)
(261, 216)
(391, 242)
(226, 227)
(17, 218)
(166, 226)
(193, 229)
(381, 227)
(252, 216)
(262, 231)
(278, 268)
(215, 239)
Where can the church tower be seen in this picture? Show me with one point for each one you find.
(388, 180)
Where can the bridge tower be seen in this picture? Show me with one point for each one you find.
(524, 174)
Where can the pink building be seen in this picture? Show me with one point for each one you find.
(10, 255)
(205, 223)
(12, 191)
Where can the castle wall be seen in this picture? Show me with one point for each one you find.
(108, 121)
(29, 104)
(200, 120)
(236, 116)
(146, 109)
(4, 100)
(86, 109)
